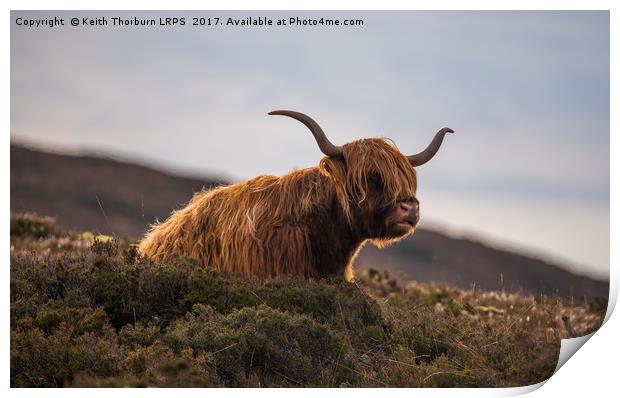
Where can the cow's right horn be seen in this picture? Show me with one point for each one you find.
(420, 158)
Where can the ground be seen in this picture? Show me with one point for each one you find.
(86, 312)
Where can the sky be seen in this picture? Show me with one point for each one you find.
(526, 92)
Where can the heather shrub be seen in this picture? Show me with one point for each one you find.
(86, 311)
(279, 348)
(49, 350)
(156, 366)
(33, 226)
(139, 335)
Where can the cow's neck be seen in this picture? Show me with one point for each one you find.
(334, 243)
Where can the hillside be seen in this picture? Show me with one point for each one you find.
(85, 312)
(90, 193)
(431, 256)
(106, 196)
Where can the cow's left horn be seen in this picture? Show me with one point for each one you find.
(420, 158)
(325, 145)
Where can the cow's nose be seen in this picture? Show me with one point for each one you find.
(410, 208)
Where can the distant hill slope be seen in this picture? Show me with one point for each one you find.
(107, 196)
(428, 256)
(89, 193)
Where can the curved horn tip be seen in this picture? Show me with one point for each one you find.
(325, 145)
(279, 112)
(427, 154)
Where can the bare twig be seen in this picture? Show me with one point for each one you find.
(364, 375)
(511, 324)
(101, 207)
(225, 348)
(287, 378)
(263, 301)
(399, 362)
(569, 327)
(344, 324)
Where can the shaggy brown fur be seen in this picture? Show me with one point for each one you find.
(310, 222)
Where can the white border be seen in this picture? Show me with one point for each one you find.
(594, 368)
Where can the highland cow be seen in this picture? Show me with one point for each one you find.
(310, 222)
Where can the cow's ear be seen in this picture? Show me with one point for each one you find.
(334, 167)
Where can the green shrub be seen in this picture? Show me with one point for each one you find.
(139, 335)
(51, 356)
(33, 226)
(156, 366)
(280, 348)
(87, 312)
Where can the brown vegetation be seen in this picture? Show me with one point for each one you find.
(84, 312)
